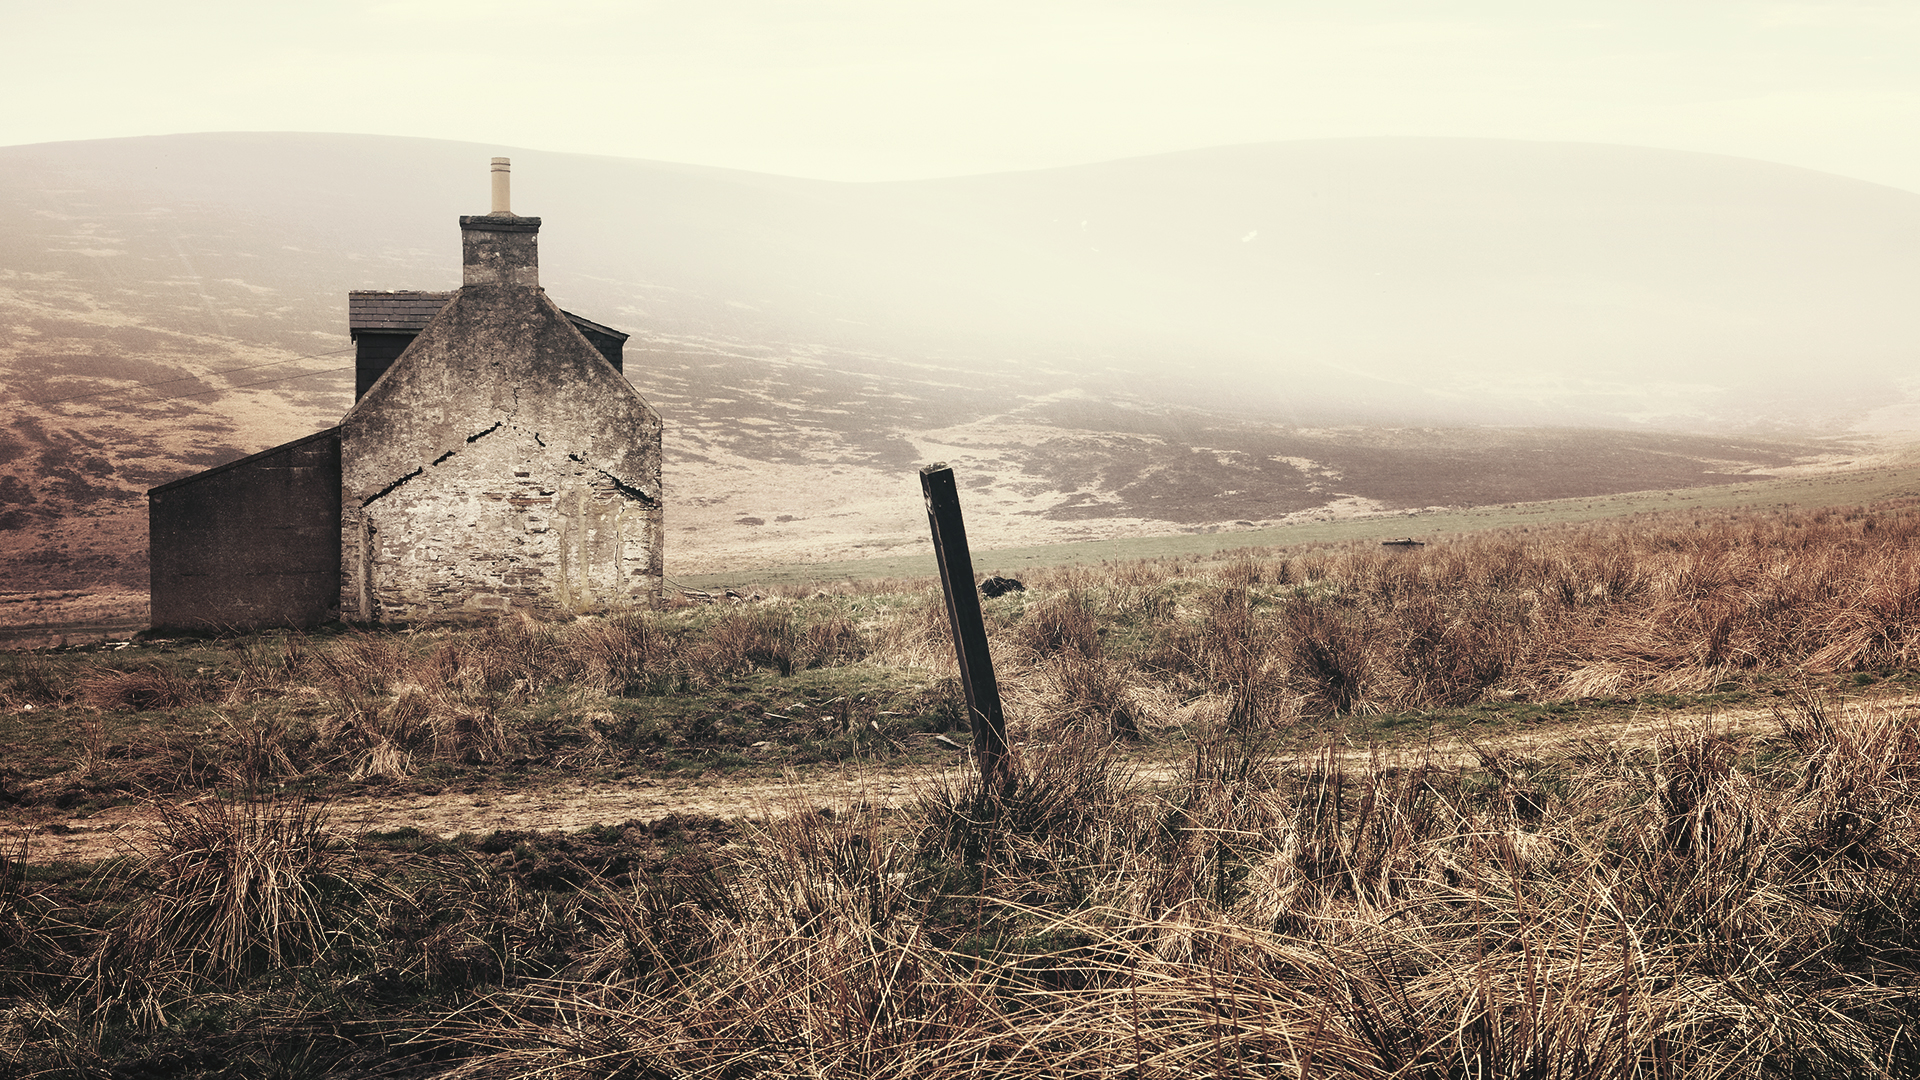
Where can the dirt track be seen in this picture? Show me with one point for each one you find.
(121, 829)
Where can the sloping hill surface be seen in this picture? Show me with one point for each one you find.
(1366, 277)
(1113, 348)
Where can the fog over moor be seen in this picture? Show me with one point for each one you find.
(1380, 280)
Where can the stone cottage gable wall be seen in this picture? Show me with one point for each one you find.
(501, 464)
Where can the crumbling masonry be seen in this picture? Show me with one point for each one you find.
(496, 461)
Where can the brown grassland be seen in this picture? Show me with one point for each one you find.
(1233, 847)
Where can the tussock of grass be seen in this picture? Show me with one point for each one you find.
(1684, 912)
(1712, 904)
(136, 690)
(231, 888)
(1264, 638)
(26, 679)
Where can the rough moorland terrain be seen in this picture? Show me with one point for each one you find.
(1613, 798)
(1196, 341)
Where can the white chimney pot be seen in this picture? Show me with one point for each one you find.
(502, 197)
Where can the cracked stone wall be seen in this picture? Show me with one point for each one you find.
(501, 464)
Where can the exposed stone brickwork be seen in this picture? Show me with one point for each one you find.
(501, 465)
(500, 250)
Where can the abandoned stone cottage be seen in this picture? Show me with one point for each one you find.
(495, 459)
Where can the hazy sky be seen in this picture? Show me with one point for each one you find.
(886, 89)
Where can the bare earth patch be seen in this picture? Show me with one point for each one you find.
(569, 807)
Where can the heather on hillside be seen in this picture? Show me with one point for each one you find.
(1232, 849)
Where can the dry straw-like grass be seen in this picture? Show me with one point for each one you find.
(1681, 912)
(1606, 611)
(228, 888)
(136, 689)
(1555, 612)
(1703, 906)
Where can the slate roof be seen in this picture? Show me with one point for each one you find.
(409, 311)
(403, 310)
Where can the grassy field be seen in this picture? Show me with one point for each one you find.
(1234, 847)
(1898, 478)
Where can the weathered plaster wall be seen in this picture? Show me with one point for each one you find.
(251, 544)
(501, 465)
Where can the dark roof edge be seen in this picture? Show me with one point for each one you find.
(332, 432)
(581, 320)
(446, 298)
(499, 223)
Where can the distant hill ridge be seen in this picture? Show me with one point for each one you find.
(1149, 344)
(1438, 279)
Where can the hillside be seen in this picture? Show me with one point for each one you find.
(1253, 334)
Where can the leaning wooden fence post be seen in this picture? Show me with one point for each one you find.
(969, 630)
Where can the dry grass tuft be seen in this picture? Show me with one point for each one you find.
(361, 665)
(1093, 695)
(1703, 907)
(830, 641)
(231, 888)
(1329, 663)
(743, 640)
(1062, 624)
(26, 679)
(1675, 913)
(135, 690)
(624, 656)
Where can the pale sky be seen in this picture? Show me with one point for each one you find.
(895, 89)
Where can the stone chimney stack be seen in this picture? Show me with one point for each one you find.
(500, 248)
